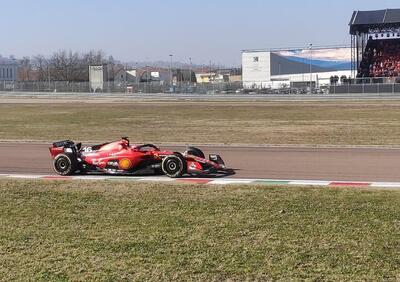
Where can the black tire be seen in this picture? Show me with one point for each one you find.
(65, 164)
(195, 152)
(174, 166)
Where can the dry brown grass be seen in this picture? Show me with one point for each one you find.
(319, 123)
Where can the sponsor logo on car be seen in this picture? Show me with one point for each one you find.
(125, 164)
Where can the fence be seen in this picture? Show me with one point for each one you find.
(120, 87)
(353, 86)
(365, 88)
(343, 85)
(368, 85)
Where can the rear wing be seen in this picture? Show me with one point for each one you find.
(64, 144)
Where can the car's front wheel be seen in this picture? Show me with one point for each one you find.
(174, 166)
(65, 164)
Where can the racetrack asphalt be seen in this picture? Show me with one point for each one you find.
(291, 163)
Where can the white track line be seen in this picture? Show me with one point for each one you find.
(209, 181)
(230, 181)
(310, 183)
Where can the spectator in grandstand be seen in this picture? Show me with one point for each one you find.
(381, 59)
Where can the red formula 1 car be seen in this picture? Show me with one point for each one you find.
(121, 158)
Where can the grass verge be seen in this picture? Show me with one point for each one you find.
(292, 123)
(136, 231)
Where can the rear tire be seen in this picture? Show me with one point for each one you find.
(174, 166)
(65, 164)
(195, 152)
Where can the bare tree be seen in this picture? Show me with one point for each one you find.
(41, 65)
(62, 65)
(25, 69)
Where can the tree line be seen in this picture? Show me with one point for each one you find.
(63, 66)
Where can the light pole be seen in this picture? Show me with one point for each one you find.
(210, 70)
(137, 77)
(170, 70)
(48, 77)
(190, 72)
(212, 83)
(125, 77)
(148, 76)
(310, 47)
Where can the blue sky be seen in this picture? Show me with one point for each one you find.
(139, 30)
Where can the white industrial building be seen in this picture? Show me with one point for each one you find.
(8, 69)
(279, 68)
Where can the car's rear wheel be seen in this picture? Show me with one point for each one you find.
(195, 152)
(65, 164)
(174, 166)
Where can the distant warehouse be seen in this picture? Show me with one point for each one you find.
(291, 67)
(8, 69)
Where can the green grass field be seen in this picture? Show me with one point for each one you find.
(292, 123)
(115, 231)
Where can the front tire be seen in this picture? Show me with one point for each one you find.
(65, 164)
(174, 166)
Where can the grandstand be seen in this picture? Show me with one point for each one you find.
(375, 53)
(375, 40)
(381, 58)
